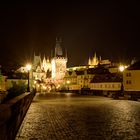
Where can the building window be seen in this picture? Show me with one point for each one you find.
(128, 82)
(128, 74)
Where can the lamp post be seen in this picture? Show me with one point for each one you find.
(68, 82)
(28, 67)
(121, 68)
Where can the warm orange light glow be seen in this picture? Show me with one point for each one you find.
(68, 82)
(28, 67)
(121, 68)
(58, 86)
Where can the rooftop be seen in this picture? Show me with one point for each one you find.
(135, 66)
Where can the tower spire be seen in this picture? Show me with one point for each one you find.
(58, 48)
(95, 55)
(34, 54)
(89, 61)
(66, 53)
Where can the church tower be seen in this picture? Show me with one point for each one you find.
(95, 60)
(59, 62)
(36, 61)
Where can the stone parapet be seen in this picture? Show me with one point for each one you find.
(12, 114)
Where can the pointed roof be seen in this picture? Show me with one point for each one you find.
(58, 48)
(48, 61)
(79, 72)
(135, 66)
(89, 61)
(44, 59)
(95, 55)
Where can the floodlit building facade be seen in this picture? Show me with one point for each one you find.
(94, 61)
(59, 63)
(131, 78)
(53, 69)
(78, 79)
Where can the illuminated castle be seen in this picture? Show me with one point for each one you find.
(93, 61)
(54, 68)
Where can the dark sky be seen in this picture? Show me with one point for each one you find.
(109, 28)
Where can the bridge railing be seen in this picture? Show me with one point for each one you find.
(12, 114)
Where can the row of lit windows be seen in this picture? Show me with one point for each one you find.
(82, 81)
(106, 86)
(83, 76)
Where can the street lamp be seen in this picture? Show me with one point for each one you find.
(28, 67)
(121, 68)
(68, 82)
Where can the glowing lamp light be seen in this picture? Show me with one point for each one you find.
(68, 82)
(28, 67)
(121, 68)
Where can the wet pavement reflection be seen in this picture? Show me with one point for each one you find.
(67, 117)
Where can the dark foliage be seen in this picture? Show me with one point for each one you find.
(16, 90)
(112, 77)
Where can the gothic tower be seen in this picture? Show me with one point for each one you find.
(59, 62)
(36, 61)
(95, 60)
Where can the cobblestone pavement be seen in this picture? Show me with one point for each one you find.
(81, 118)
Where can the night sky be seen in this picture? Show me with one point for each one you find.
(109, 28)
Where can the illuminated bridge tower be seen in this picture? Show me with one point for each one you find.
(59, 63)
